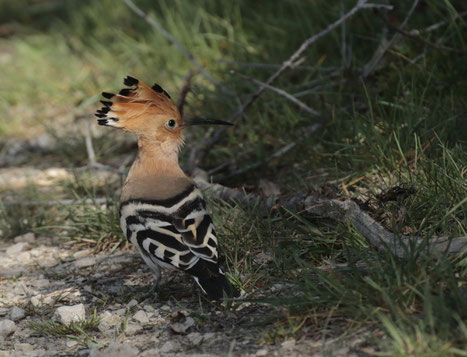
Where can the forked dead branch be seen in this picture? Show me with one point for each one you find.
(289, 63)
(344, 211)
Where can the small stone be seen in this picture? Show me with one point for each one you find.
(71, 343)
(182, 327)
(39, 300)
(23, 257)
(148, 308)
(40, 283)
(342, 352)
(25, 238)
(108, 320)
(210, 336)
(82, 253)
(3, 311)
(49, 300)
(132, 303)
(7, 327)
(23, 347)
(69, 314)
(277, 287)
(36, 252)
(120, 312)
(141, 316)
(166, 308)
(15, 249)
(116, 349)
(85, 262)
(16, 313)
(133, 329)
(36, 300)
(93, 345)
(170, 346)
(195, 338)
(262, 352)
(9, 268)
(288, 344)
(21, 289)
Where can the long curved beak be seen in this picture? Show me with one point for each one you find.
(205, 121)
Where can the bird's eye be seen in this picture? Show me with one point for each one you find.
(171, 124)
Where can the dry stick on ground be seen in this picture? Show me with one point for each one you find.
(361, 4)
(384, 47)
(282, 93)
(177, 44)
(184, 91)
(345, 211)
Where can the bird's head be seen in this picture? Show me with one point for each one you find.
(149, 112)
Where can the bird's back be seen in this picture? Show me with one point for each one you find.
(174, 230)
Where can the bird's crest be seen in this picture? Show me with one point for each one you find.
(132, 106)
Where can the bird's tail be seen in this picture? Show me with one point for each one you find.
(216, 287)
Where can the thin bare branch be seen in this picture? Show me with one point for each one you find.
(385, 46)
(305, 133)
(345, 211)
(361, 4)
(275, 66)
(437, 25)
(88, 142)
(344, 63)
(184, 91)
(416, 35)
(282, 93)
(177, 44)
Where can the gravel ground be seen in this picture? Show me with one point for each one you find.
(46, 281)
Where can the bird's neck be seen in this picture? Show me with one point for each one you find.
(155, 174)
(156, 159)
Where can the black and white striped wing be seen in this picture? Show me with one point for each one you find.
(172, 233)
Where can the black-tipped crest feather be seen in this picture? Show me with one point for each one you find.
(106, 103)
(125, 92)
(157, 88)
(108, 95)
(130, 81)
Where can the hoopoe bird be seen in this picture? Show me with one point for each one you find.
(161, 211)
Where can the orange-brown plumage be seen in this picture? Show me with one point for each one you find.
(161, 211)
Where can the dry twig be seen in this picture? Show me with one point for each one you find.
(88, 142)
(437, 25)
(385, 46)
(416, 35)
(289, 63)
(282, 93)
(177, 44)
(345, 211)
(275, 66)
(184, 91)
(305, 133)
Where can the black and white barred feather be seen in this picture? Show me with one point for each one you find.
(177, 233)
